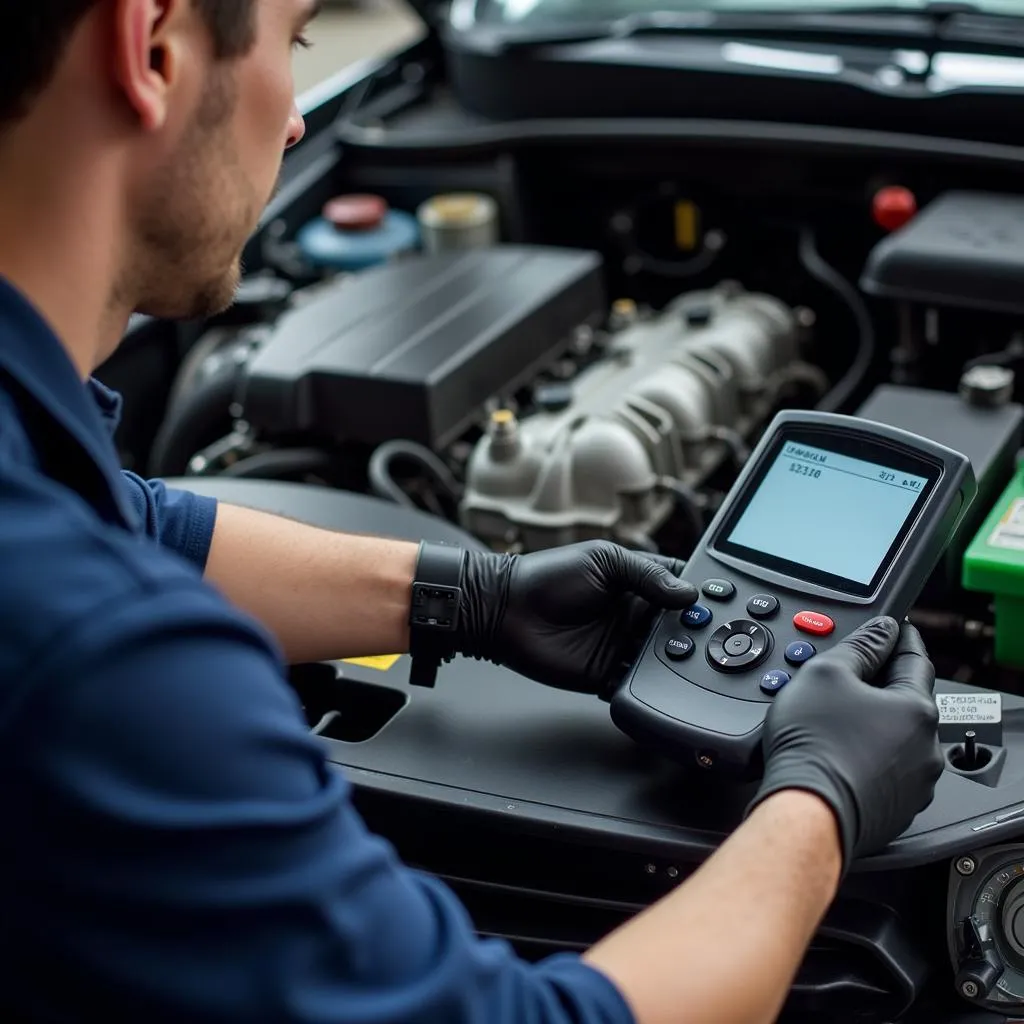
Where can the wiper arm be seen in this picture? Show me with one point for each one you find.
(928, 22)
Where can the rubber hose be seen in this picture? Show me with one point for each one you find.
(279, 463)
(738, 450)
(196, 419)
(812, 262)
(384, 485)
(688, 504)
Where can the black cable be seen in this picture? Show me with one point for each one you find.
(738, 449)
(688, 504)
(384, 485)
(813, 263)
(279, 463)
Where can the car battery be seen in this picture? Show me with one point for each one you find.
(994, 564)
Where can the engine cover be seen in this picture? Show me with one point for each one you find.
(637, 423)
(416, 348)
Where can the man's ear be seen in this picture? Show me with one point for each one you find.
(150, 44)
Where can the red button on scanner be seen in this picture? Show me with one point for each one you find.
(814, 623)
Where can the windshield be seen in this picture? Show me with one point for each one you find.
(548, 11)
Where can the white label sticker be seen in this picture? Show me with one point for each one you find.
(1009, 533)
(967, 708)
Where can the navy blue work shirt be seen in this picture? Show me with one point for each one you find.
(173, 844)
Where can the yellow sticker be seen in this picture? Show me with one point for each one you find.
(381, 662)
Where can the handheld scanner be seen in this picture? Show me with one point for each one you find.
(833, 521)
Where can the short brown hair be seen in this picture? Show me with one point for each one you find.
(34, 33)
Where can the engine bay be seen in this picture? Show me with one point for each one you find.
(537, 333)
(504, 386)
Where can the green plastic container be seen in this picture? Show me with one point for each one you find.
(994, 564)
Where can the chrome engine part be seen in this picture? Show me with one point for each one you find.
(676, 393)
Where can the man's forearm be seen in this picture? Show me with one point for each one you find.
(323, 595)
(725, 946)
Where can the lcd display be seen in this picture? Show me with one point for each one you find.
(827, 511)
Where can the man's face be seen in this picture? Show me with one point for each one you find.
(196, 205)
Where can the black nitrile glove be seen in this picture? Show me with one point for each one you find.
(570, 617)
(870, 751)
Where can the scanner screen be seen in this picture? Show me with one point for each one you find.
(829, 512)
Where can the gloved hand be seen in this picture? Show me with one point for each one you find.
(870, 751)
(570, 617)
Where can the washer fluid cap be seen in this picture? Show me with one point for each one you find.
(356, 212)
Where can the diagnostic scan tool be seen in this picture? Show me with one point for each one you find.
(833, 521)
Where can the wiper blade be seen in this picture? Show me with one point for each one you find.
(808, 22)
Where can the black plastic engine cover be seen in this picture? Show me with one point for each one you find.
(414, 349)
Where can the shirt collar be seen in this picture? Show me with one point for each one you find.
(86, 415)
(109, 403)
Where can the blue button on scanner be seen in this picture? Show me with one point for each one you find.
(696, 615)
(775, 680)
(800, 651)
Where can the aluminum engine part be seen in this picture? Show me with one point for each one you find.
(648, 415)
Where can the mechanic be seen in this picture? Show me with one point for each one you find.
(175, 846)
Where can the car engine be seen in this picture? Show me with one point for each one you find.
(527, 406)
(616, 450)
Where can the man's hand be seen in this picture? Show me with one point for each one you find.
(871, 752)
(569, 617)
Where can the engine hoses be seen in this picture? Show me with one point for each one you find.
(826, 275)
(688, 504)
(383, 483)
(733, 441)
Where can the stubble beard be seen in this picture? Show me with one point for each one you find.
(198, 213)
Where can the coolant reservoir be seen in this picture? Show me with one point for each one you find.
(355, 232)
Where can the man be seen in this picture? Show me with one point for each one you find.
(175, 847)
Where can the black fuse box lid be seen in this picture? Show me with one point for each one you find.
(964, 250)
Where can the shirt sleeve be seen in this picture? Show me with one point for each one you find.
(180, 521)
(186, 853)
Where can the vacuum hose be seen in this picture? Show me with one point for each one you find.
(812, 261)
(197, 415)
(383, 483)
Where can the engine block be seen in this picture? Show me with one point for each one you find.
(607, 460)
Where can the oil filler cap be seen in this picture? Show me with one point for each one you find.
(987, 386)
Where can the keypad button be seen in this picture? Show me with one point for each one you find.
(800, 651)
(718, 590)
(814, 623)
(696, 616)
(774, 680)
(762, 606)
(679, 647)
(737, 645)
